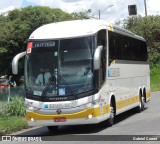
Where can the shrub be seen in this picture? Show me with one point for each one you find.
(155, 78)
(15, 107)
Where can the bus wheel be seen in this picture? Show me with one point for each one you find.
(141, 103)
(52, 128)
(110, 120)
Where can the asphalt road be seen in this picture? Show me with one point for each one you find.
(129, 123)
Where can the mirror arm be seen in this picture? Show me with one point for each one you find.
(15, 62)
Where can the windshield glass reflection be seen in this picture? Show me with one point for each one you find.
(69, 62)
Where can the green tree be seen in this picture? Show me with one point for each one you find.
(81, 15)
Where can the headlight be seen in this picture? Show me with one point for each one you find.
(31, 108)
(96, 101)
(89, 105)
(85, 106)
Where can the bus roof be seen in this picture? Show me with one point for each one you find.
(75, 28)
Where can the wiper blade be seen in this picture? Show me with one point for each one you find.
(71, 91)
(52, 80)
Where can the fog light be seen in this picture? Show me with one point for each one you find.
(90, 116)
(32, 119)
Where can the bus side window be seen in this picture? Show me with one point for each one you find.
(112, 48)
(101, 40)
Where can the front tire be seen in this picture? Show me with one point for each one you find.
(143, 102)
(141, 106)
(110, 120)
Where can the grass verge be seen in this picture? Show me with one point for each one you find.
(12, 124)
(155, 78)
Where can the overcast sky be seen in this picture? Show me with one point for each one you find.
(119, 10)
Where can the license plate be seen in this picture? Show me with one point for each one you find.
(60, 119)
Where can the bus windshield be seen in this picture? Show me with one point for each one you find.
(60, 67)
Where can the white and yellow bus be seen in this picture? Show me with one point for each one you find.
(97, 71)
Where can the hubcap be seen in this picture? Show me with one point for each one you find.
(143, 99)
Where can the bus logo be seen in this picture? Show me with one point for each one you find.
(59, 111)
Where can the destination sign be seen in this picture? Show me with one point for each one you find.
(44, 44)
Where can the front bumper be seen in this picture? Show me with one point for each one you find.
(88, 116)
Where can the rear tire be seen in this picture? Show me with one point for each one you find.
(143, 102)
(52, 128)
(110, 120)
(141, 106)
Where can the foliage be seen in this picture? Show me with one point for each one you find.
(155, 77)
(15, 107)
(11, 124)
(81, 15)
(3, 50)
(149, 28)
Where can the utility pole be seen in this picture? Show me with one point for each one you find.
(145, 5)
(104, 10)
(99, 14)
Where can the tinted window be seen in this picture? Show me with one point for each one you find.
(126, 48)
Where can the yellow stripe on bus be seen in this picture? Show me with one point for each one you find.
(127, 102)
(148, 95)
(130, 101)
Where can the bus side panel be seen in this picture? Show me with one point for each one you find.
(124, 81)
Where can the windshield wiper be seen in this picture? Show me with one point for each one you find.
(71, 91)
(53, 81)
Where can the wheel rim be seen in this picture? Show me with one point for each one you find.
(143, 101)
